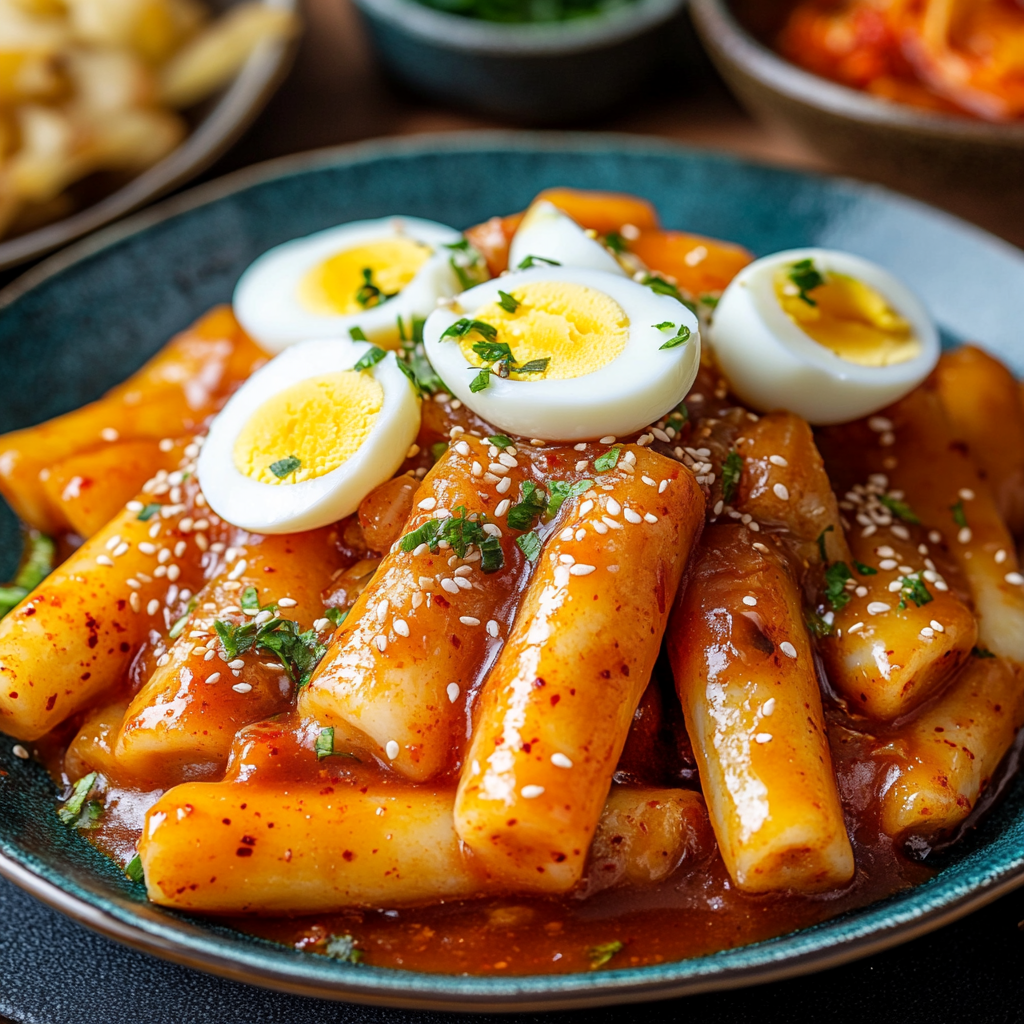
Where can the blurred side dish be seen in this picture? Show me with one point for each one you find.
(91, 86)
(960, 56)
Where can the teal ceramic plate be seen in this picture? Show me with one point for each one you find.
(82, 321)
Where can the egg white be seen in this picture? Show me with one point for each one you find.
(267, 303)
(622, 397)
(289, 508)
(772, 364)
(547, 232)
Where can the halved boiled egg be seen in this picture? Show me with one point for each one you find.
(562, 353)
(308, 436)
(825, 334)
(546, 235)
(363, 275)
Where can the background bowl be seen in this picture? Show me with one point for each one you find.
(869, 137)
(100, 309)
(532, 73)
(215, 125)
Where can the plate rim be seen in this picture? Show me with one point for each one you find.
(517, 993)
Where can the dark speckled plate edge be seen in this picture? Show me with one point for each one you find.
(177, 938)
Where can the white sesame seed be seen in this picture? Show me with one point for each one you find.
(763, 737)
(611, 523)
(581, 465)
(937, 626)
(964, 535)
(531, 792)
(899, 531)
(777, 460)
(287, 602)
(768, 708)
(1014, 578)
(599, 528)
(153, 607)
(420, 549)
(610, 439)
(237, 664)
(113, 542)
(537, 442)
(1000, 556)
(647, 480)
(966, 494)
(879, 424)
(242, 687)
(164, 556)
(504, 485)
(20, 752)
(887, 563)
(502, 507)
(391, 748)
(134, 601)
(381, 610)
(134, 506)
(209, 655)
(380, 642)
(173, 572)
(215, 676)
(580, 534)
(787, 649)
(935, 537)
(461, 447)
(566, 559)
(238, 569)
(463, 583)
(477, 469)
(632, 517)
(662, 486)
(781, 491)
(498, 469)
(885, 551)
(179, 548)
(855, 627)
(427, 504)
(109, 434)
(895, 586)
(878, 608)
(453, 692)
(321, 624)
(584, 570)
(449, 585)
(613, 508)
(561, 761)
(508, 460)
(861, 591)
(469, 620)
(401, 627)
(104, 560)
(749, 601)
(586, 507)
(869, 530)
(566, 534)
(927, 632)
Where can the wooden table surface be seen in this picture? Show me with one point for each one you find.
(337, 93)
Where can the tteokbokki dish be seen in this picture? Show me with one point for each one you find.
(565, 594)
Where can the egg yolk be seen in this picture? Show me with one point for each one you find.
(341, 284)
(849, 318)
(309, 429)
(577, 329)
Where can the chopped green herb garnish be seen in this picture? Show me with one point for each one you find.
(680, 339)
(72, 807)
(533, 366)
(93, 812)
(533, 260)
(437, 449)
(600, 955)
(336, 616)
(469, 266)
(250, 600)
(959, 515)
(616, 243)
(343, 947)
(481, 381)
(284, 466)
(356, 333)
(299, 653)
(914, 589)
(804, 275)
(410, 376)
(500, 441)
(732, 470)
(508, 302)
(415, 364)
(369, 294)
(609, 460)
(462, 327)
(864, 570)
(818, 625)
(665, 325)
(459, 531)
(821, 543)
(179, 627)
(134, 869)
(324, 746)
(559, 491)
(531, 505)
(493, 351)
(981, 652)
(149, 511)
(662, 287)
(370, 358)
(681, 414)
(900, 509)
(836, 576)
(711, 301)
(530, 545)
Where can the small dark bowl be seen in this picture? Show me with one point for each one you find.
(534, 73)
(862, 135)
